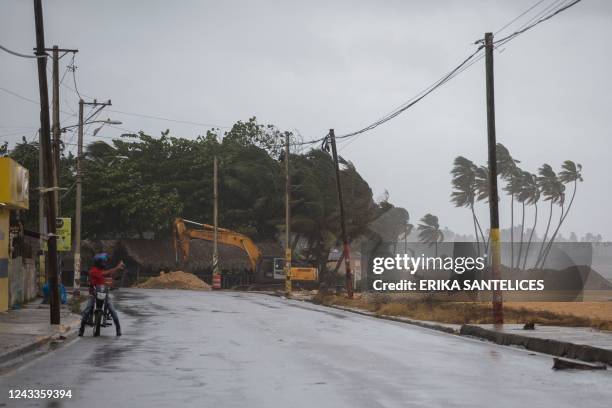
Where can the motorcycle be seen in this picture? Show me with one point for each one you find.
(100, 317)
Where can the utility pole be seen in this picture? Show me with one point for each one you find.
(287, 220)
(498, 312)
(56, 121)
(41, 217)
(78, 184)
(346, 251)
(45, 136)
(56, 128)
(216, 274)
(77, 212)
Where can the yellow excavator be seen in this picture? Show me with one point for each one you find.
(265, 268)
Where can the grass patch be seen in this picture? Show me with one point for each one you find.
(570, 314)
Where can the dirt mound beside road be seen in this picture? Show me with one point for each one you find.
(175, 280)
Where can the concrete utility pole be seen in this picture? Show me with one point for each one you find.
(216, 274)
(77, 212)
(498, 312)
(287, 220)
(78, 184)
(346, 251)
(45, 137)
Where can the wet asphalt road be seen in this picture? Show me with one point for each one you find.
(203, 349)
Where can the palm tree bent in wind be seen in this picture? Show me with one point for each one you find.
(553, 191)
(429, 231)
(570, 173)
(464, 190)
(530, 195)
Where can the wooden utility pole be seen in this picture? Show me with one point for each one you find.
(287, 220)
(45, 133)
(498, 312)
(56, 128)
(216, 274)
(346, 251)
(42, 268)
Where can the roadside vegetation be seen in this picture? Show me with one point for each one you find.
(571, 314)
(135, 185)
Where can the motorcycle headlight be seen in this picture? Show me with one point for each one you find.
(101, 295)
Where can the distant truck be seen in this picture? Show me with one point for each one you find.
(265, 268)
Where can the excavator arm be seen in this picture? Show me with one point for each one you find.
(183, 235)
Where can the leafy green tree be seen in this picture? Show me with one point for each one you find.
(251, 133)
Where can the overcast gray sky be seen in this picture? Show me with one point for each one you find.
(317, 65)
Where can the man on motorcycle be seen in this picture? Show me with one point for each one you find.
(96, 277)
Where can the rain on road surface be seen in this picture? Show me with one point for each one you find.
(230, 349)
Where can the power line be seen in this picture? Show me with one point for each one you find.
(19, 54)
(413, 102)
(73, 69)
(541, 20)
(19, 96)
(28, 99)
(517, 17)
(456, 71)
(142, 115)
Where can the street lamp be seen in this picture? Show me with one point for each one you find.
(104, 122)
(77, 226)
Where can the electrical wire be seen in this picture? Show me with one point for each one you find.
(142, 115)
(73, 69)
(539, 21)
(19, 54)
(460, 68)
(29, 99)
(517, 17)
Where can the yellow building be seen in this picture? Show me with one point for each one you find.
(13, 196)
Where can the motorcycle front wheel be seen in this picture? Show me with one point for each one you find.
(97, 323)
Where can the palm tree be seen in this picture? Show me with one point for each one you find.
(570, 173)
(429, 231)
(464, 185)
(530, 195)
(481, 184)
(407, 230)
(513, 187)
(554, 191)
(506, 168)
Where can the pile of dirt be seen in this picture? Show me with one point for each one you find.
(175, 280)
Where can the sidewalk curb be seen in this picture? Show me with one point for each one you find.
(420, 323)
(581, 352)
(66, 330)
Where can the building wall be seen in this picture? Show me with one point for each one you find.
(4, 259)
(22, 281)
